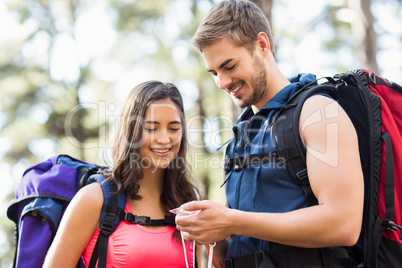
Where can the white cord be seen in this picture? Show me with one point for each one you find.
(211, 254)
(180, 211)
(184, 249)
(194, 260)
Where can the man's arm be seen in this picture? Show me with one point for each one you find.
(336, 179)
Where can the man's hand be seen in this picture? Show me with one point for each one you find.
(211, 224)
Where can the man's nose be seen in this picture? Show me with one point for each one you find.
(223, 81)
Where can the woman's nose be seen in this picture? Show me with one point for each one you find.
(163, 137)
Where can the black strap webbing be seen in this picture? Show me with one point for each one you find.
(240, 162)
(106, 228)
(302, 176)
(389, 187)
(389, 178)
(327, 258)
(384, 82)
(144, 220)
(377, 235)
(94, 257)
(292, 257)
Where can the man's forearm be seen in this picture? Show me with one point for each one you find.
(310, 227)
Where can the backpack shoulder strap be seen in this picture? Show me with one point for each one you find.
(109, 189)
(109, 219)
(111, 215)
(287, 137)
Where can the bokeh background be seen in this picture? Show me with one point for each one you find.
(66, 66)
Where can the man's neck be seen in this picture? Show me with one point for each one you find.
(276, 81)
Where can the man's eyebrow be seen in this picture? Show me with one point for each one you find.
(221, 66)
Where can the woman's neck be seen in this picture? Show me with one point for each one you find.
(151, 186)
(152, 181)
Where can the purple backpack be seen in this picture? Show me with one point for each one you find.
(44, 192)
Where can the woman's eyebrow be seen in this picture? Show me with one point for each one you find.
(156, 122)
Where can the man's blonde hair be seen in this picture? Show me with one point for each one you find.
(240, 20)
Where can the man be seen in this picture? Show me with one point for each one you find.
(266, 210)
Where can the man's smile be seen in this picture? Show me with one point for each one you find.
(235, 90)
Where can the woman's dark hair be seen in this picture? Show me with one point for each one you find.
(177, 188)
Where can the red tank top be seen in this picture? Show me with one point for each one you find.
(133, 245)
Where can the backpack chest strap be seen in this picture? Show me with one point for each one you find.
(145, 220)
(240, 162)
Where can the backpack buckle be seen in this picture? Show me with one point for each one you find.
(390, 225)
(234, 164)
(128, 217)
(302, 175)
(142, 220)
(107, 224)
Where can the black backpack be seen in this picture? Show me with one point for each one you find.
(374, 106)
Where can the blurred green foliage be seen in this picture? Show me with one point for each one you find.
(66, 66)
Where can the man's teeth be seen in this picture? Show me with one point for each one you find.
(160, 150)
(237, 89)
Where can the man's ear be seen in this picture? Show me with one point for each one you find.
(263, 43)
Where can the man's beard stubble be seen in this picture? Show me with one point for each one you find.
(258, 83)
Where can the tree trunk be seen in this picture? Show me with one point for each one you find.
(363, 30)
(266, 7)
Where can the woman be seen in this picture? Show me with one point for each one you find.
(150, 167)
